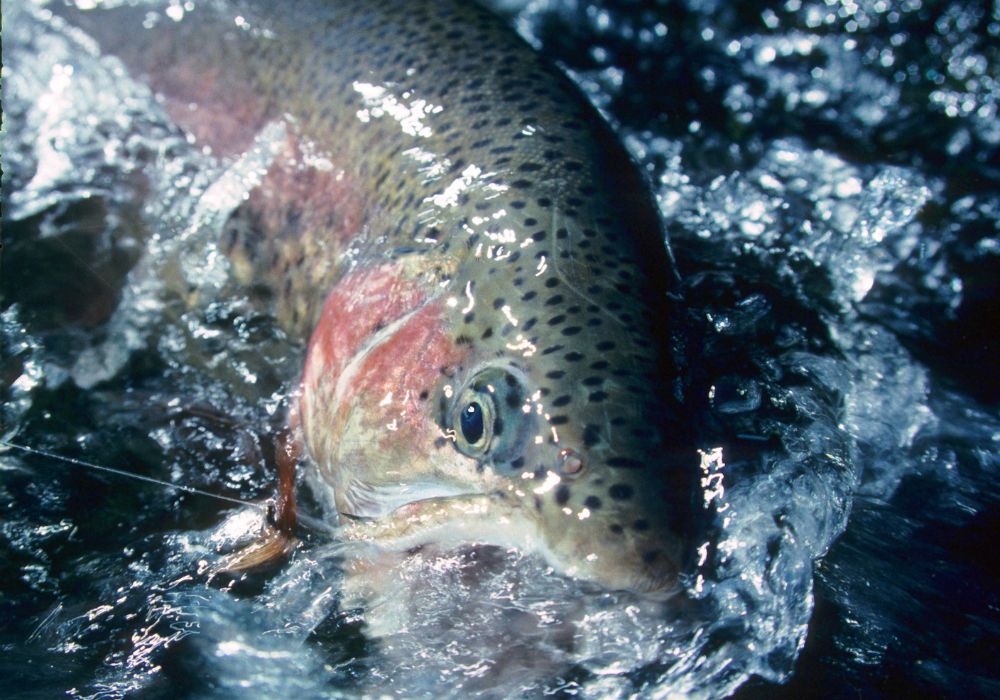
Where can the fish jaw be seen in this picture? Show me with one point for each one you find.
(492, 519)
(499, 519)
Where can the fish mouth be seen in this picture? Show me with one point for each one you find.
(461, 518)
(365, 501)
(405, 508)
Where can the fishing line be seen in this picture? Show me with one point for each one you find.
(130, 475)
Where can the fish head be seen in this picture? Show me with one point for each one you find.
(418, 394)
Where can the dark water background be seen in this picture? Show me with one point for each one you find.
(828, 174)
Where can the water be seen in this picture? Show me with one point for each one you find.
(827, 172)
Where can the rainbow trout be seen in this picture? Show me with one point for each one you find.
(475, 261)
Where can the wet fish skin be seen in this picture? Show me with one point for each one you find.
(453, 224)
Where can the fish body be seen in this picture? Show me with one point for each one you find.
(475, 261)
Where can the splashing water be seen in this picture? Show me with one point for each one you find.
(812, 167)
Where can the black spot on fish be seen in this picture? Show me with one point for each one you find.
(650, 556)
(558, 420)
(640, 525)
(592, 502)
(561, 401)
(621, 492)
(555, 374)
(617, 529)
(591, 435)
(624, 463)
(562, 494)
(573, 356)
(597, 396)
(486, 334)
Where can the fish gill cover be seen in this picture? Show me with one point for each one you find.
(826, 172)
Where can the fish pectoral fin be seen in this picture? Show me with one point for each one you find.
(482, 518)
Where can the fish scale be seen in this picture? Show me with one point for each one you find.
(450, 220)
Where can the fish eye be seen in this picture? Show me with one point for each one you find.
(472, 422)
(486, 417)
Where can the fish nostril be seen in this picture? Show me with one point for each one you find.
(570, 463)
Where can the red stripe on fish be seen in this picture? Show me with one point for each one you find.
(380, 343)
(360, 305)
